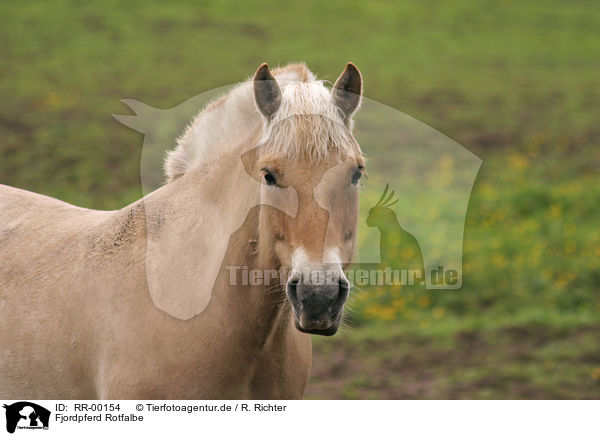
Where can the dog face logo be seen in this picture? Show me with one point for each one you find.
(26, 415)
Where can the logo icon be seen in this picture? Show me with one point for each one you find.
(26, 415)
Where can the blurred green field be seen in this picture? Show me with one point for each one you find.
(516, 82)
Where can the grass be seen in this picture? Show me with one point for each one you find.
(515, 82)
(456, 358)
(488, 74)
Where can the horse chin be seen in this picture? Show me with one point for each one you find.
(327, 331)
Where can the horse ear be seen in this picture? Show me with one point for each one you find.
(347, 90)
(266, 91)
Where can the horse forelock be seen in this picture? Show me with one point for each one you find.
(307, 125)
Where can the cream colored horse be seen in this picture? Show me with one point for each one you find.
(77, 317)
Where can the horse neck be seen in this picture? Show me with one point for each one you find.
(261, 312)
(225, 199)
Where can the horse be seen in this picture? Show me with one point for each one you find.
(103, 304)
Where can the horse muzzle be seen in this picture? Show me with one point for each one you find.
(317, 308)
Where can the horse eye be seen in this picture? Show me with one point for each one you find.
(357, 175)
(269, 178)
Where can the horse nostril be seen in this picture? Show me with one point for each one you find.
(343, 284)
(343, 291)
(292, 289)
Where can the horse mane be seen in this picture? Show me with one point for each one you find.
(306, 124)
